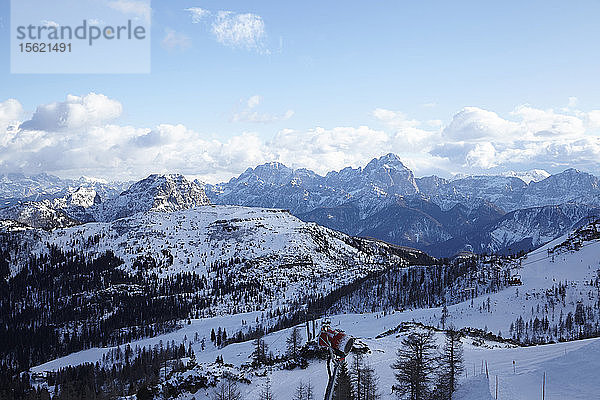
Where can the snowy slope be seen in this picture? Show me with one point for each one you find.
(260, 245)
(570, 367)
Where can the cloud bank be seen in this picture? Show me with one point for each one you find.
(81, 136)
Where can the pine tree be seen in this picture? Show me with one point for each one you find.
(415, 366)
(343, 385)
(259, 355)
(370, 384)
(309, 391)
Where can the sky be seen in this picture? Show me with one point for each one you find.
(451, 87)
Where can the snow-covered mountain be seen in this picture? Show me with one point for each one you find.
(301, 190)
(269, 245)
(533, 175)
(19, 187)
(37, 215)
(164, 193)
(384, 200)
(530, 228)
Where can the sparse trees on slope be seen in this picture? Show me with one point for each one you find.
(415, 366)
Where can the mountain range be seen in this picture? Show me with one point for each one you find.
(384, 200)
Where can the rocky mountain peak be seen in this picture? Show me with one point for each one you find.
(155, 193)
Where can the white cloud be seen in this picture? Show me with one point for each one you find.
(248, 114)
(11, 111)
(175, 40)
(408, 133)
(74, 113)
(593, 119)
(254, 101)
(239, 30)
(472, 123)
(478, 140)
(235, 30)
(198, 14)
(139, 8)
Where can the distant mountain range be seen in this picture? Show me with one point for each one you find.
(485, 214)
(384, 200)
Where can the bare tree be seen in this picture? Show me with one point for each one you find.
(450, 365)
(266, 393)
(415, 366)
(227, 390)
(300, 393)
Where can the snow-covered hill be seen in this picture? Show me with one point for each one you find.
(37, 215)
(289, 257)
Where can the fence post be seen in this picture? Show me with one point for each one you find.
(544, 387)
(496, 387)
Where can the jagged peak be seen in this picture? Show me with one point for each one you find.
(388, 160)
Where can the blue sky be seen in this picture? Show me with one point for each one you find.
(330, 65)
